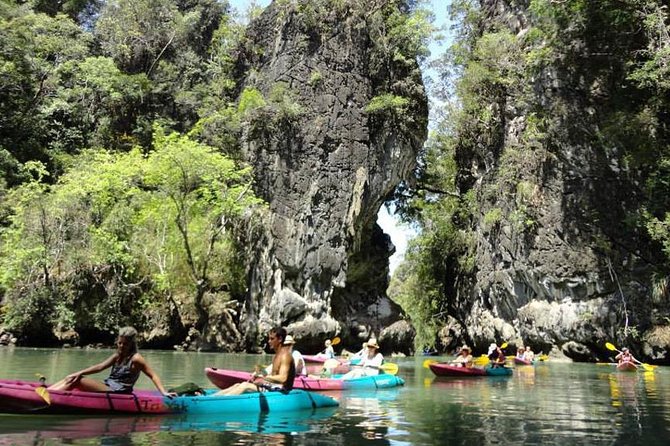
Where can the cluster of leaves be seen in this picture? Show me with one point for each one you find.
(101, 214)
(171, 219)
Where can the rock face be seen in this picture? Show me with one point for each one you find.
(325, 165)
(557, 263)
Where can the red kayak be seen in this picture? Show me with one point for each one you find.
(223, 378)
(443, 369)
(626, 366)
(520, 361)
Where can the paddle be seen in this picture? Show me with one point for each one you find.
(388, 367)
(336, 340)
(646, 366)
(426, 364)
(484, 359)
(42, 390)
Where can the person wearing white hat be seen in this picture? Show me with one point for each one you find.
(300, 367)
(369, 364)
(464, 358)
(329, 352)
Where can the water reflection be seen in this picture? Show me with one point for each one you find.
(22, 430)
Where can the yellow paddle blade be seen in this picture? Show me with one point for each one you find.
(428, 362)
(611, 347)
(389, 368)
(647, 367)
(543, 357)
(336, 340)
(482, 360)
(44, 394)
(504, 345)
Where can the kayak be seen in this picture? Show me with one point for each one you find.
(520, 361)
(444, 369)
(314, 364)
(626, 366)
(223, 378)
(499, 371)
(23, 397)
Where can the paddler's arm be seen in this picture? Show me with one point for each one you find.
(142, 364)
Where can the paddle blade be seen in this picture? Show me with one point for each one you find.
(504, 345)
(336, 340)
(482, 360)
(389, 368)
(44, 394)
(647, 367)
(426, 364)
(611, 347)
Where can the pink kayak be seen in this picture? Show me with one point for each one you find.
(442, 369)
(520, 361)
(626, 366)
(223, 378)
(23, 396)
(314, 364)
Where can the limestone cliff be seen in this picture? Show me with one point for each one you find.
(326, 160)
(557, 185)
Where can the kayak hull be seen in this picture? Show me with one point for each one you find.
(223, 378)
(519, 361)
(314, 364)
(441, 369)
(627, 366)
(21, 397)
(499, 371)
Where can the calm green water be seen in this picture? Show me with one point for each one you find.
(552, 403)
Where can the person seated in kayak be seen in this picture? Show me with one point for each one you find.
(282, 374)
(520, 353)
(464, 358)
(625, 356)
(126, 366)
(300, 367)
(528, 354)
(368, 365)
(496, 355)
(329, 352)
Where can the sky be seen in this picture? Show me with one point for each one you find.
(400, 233)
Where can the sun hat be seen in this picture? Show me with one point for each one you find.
(465, 347)
(289, 340)
(373, 343)
(492, 347)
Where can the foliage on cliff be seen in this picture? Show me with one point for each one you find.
(527, 83)
(107, 215)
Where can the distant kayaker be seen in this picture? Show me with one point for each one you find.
(625, 356)
(496, 355)
(283, 369)
(329, 352)
(464, 358)
(369, 364)
(520, 353)
(126, 366)
(298, 360)
(528, 354)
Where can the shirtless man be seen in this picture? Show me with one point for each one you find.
(282, 374)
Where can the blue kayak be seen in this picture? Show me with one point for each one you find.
(381, 381)
(498, 371)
